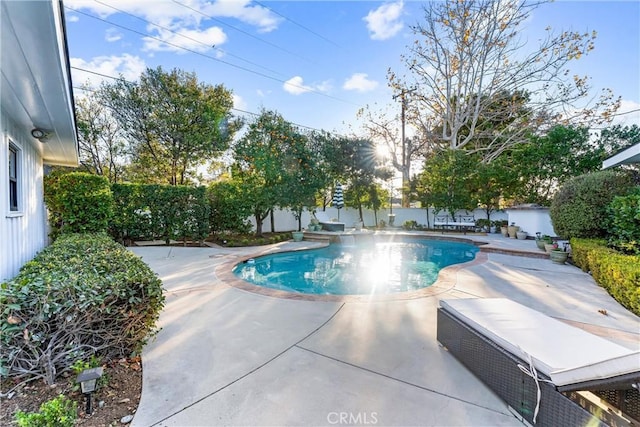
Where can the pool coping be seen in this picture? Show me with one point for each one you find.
(445, 282)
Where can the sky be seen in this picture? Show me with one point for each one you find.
(315, 62)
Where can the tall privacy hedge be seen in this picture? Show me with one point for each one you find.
(160, 212)
(78, 202)
(579, 208)
(230, 209)
(624, 213)
(618, 273)
(85, 295)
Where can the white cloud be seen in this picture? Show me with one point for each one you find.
(295, 86)
(255, 15)
(112, 35)
(72, 18)
(175, 16)
(238, 102)
(128, 65)
(360, 82)
(199, 41)
(384, 22)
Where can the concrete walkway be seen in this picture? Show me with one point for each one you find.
(226, 356)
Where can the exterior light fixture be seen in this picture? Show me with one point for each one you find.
(39, 134)
(88, 380)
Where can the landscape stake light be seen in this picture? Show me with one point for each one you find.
(88, 380)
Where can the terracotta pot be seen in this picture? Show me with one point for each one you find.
(504, 231)
(513, 229)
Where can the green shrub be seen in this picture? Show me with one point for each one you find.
(160, 212)
(84, 295)
(624, 213)
(58, 412)
(618, 273)
(78, 202)
(410, 225)
(132, 218)
(579, 208)
(229, 209)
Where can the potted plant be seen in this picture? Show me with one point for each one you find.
(513, 229)
(522, 235)
(549, 244)
(558, 256)
(503, 227)
(540, 241)
(314, 224)
(483, 224)
(297, 236)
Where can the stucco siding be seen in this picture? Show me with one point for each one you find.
(22, 233)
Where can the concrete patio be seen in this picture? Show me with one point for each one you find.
(226, 356)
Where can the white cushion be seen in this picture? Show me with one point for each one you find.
(566, 354)
(322, 217)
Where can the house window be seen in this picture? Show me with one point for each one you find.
(14, 177)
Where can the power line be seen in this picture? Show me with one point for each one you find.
(258, 73)
(88, 89)
(244, 32)
(188, 38)
(298, 24)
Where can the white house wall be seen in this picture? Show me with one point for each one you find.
(22, 233)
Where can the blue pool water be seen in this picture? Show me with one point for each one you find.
(374, 267)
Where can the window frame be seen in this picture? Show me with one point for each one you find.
(14, 180)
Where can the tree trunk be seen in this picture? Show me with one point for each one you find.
(273, 221)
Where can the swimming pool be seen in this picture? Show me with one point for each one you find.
(372, 267)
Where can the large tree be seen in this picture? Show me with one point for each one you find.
(469, 66)
(543, 163)
(446, 182)
(353, 161)
(173, 122)
(275, 166)
(102, 147)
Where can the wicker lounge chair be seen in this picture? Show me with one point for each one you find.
(327, 224)
(539, 365)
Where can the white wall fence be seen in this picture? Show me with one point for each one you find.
(530, 220)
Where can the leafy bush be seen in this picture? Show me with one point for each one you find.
(82, 296)
(410, 225)
(78, 202)
(624, 213)
(132, 218)
(160, 212)
(579, 208)
(618, 273)
(229, 209)
(58, 412)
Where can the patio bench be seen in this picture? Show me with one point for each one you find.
(538, 365)
(464, 223)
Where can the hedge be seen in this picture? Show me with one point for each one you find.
(83, 296)
(160, 212)
(579, 208)
(624, 213)
(618, 273)
(78, 202)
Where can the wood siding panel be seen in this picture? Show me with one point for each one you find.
(22, 234)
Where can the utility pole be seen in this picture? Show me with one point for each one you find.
(406, 152)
